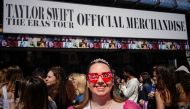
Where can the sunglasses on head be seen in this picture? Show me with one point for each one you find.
(93, 77)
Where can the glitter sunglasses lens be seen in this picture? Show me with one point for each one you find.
(93, 77)
(107, 76)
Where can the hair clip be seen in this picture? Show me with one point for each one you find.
(99, 60)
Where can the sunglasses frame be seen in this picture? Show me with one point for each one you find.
(105, 79)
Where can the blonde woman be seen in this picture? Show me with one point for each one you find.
(79, 81)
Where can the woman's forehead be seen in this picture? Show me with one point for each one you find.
(50, 73)
(99, 67)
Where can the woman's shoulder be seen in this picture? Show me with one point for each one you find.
(117, 105)
(52, 105)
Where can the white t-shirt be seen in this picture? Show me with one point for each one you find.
(131, 89)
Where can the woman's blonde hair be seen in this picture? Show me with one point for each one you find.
(81, 81)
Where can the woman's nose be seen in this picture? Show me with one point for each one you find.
(46, 79)
(100, 79)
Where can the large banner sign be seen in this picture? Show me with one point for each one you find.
(54, 18)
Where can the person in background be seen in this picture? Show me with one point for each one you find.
(118, 82)
(14, 73)
(185, 83)
(182, 75)
(70, 92)
(39, 72)
(130, 90)
(151, 95)
(33, 94)
(79, 81)
(153, 75)
(60, 89)
(3, 82)
(144, 89)
(166, 94)
(100, 92)
(3, 77)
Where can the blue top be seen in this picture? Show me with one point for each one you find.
(79, 98)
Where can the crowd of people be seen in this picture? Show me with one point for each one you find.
(101, 87)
